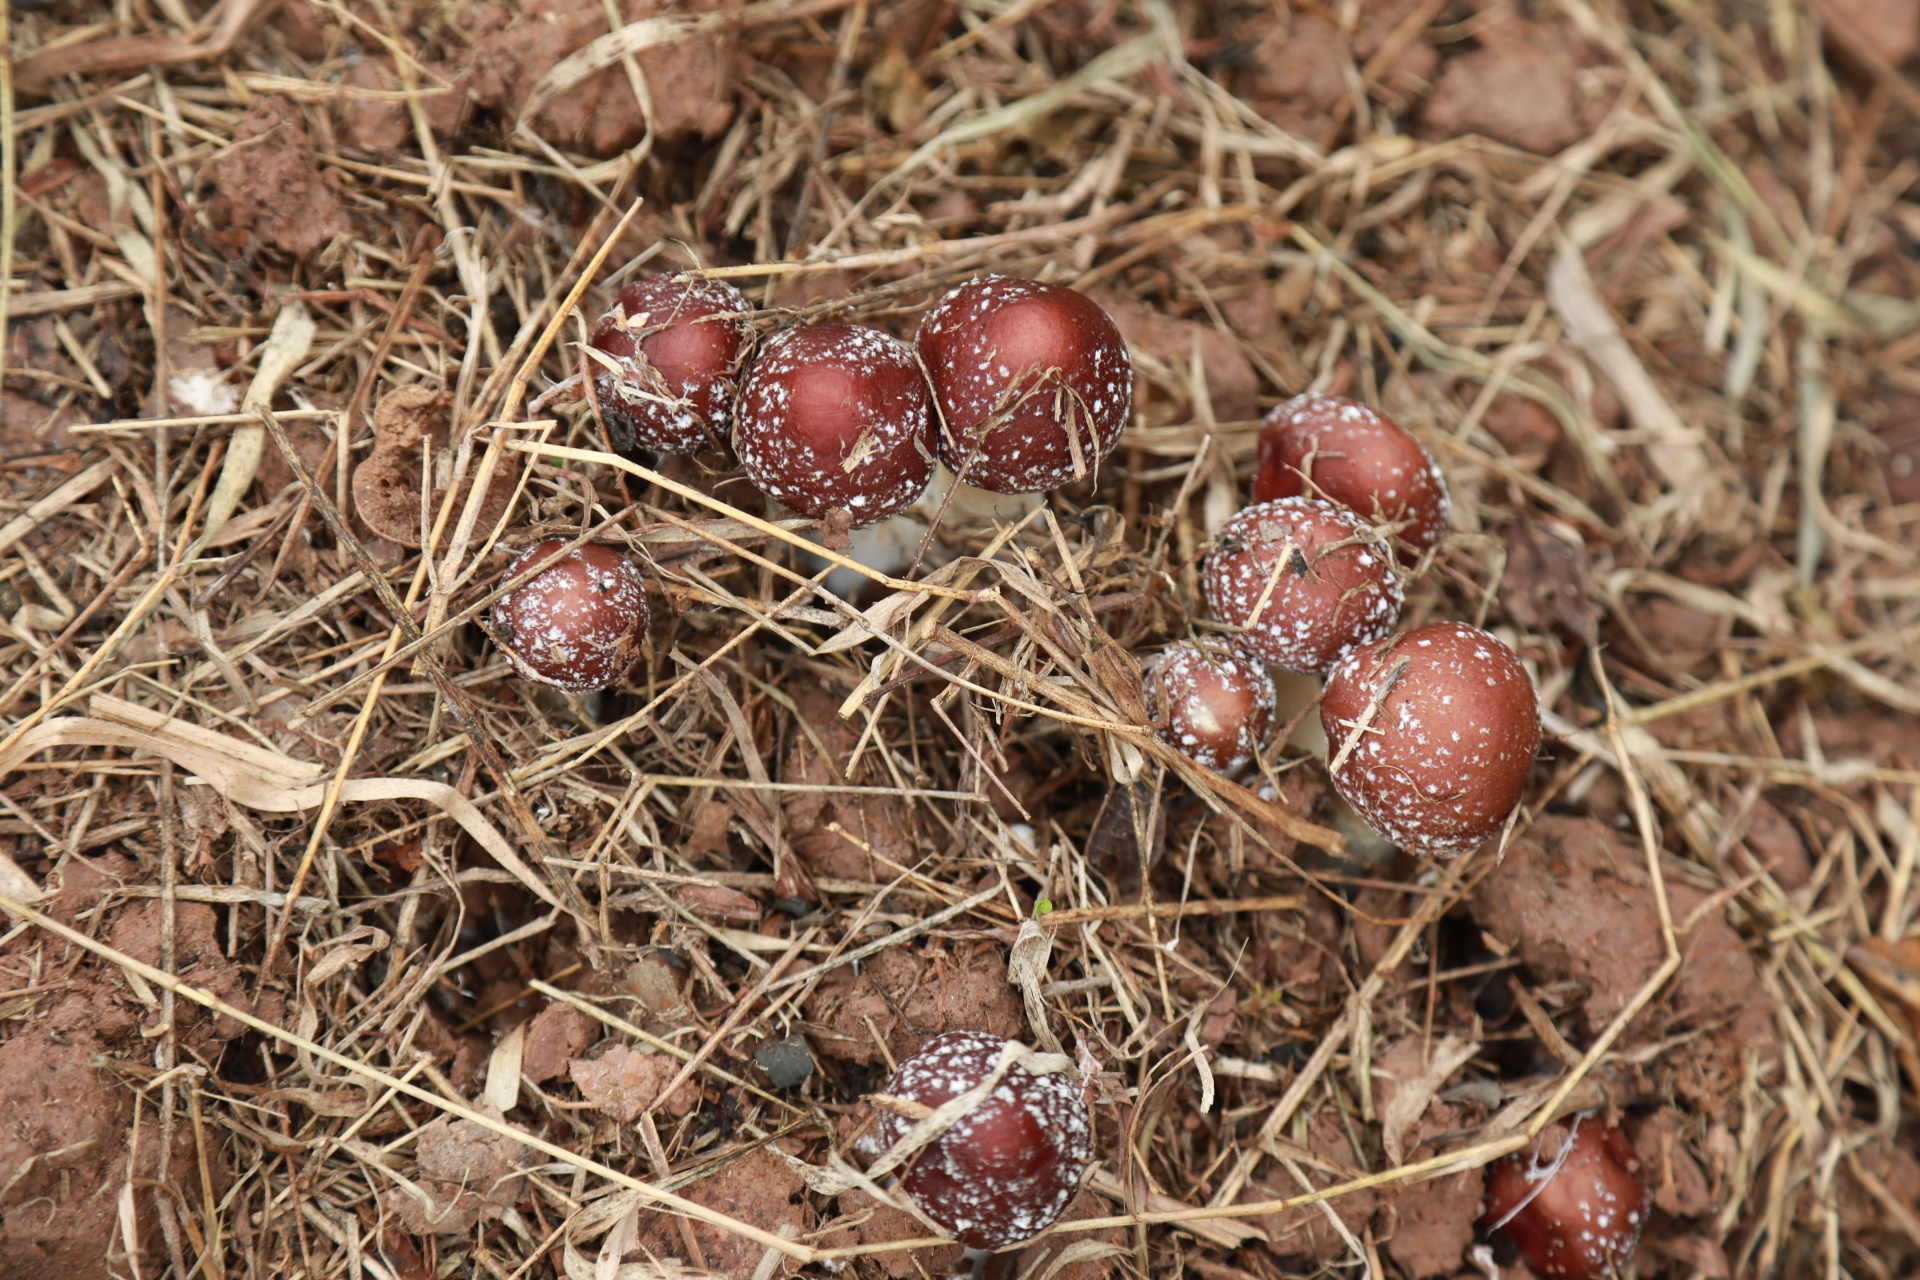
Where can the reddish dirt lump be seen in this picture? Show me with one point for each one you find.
(909, 996)
(1572, 895)
(268, 186)
(689, 80)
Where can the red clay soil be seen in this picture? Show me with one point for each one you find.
(555, 1037)
(907, 997)
(268, 188)
(515, 45)
(1573, 898)
(623, 1083)
(758, 1188)
(842, 836)
(70, 1143)
(866, 1221)
(466, 1174)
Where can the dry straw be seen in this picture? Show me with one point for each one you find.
(1649, 363)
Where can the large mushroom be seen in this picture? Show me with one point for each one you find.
(1033, 382)
(1431, 735)
(836, 417)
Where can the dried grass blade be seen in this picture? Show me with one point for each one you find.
(167, 982)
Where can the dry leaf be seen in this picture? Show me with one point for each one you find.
(503, 1070)
(1027, 969)
(1411, 1097)
(625, 1232)
(345, 953)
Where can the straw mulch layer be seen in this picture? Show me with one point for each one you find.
(1640, 273)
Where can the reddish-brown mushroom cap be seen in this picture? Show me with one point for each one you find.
(1305, 579)
(1339, 449)
(1431, 735)
(668, 355)
(1006, 1170)
(1033, 382)
(836, 416)
(1570, 1206)
(1213, 708)
(578, 624)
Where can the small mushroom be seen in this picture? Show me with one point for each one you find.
(1006, 1170)
(1305, 580)
(580, 622)
(1213, 708)
(836, 417)
(668, 354)
(1341, 450)
(1431, 735)
(1033, 382)
(1570, 1205)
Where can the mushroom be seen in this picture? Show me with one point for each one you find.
(1304, 580)
(668, 352)
(1570, 1205)
(1213, 708)
(579, 623)
(1005, 1170)
(1339, 449)
(836, 417)
(1033, 382)
(1431, 735)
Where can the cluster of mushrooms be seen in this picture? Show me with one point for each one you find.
(1018, 387)
(1015, 386)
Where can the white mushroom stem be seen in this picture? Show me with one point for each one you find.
(890, 546)
(1294, 694)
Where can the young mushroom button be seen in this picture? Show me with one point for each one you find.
(1570, 1206)
(836, 417)
(1033, 382)
(1339, 449)
(579, 623)
(665, 360)
(1213, 708)
(1430, 736)
(1305, 580)
(1006, 1170)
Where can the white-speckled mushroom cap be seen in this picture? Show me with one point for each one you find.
(1442, 760)
(1213, 708)
(836, 416)
(1006, 1170)
(1305, 580)
(666, 362)
(579, 624)
(1571, 1206)
(1033, 382)
(1331, 447)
